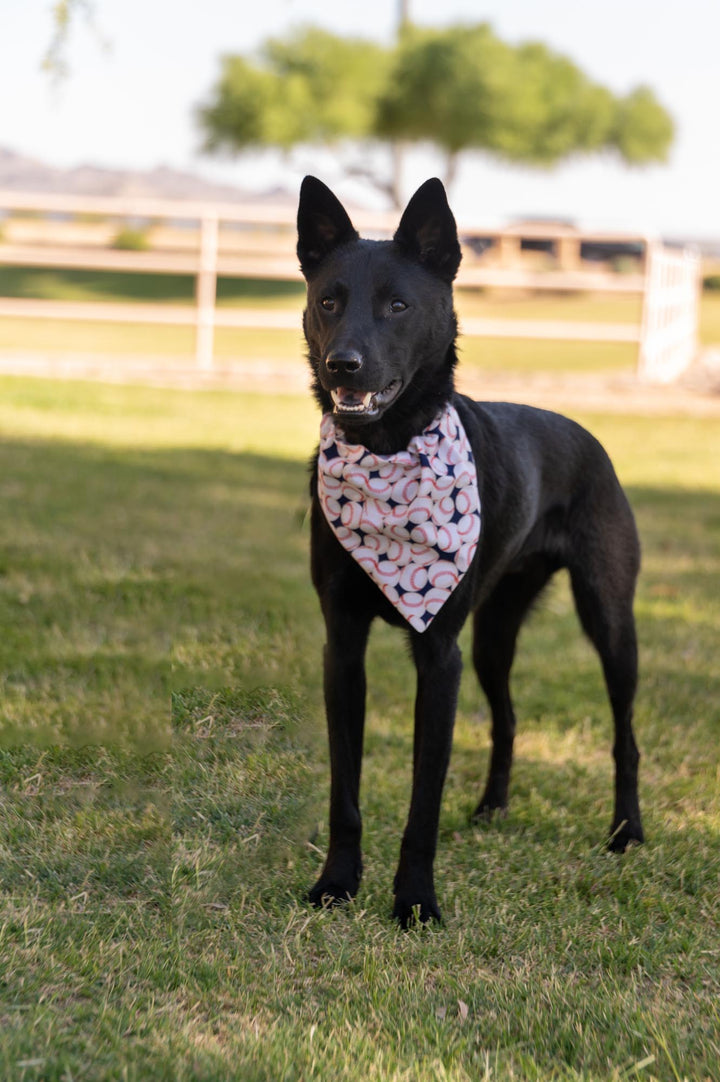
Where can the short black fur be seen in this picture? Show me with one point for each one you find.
(380, 328)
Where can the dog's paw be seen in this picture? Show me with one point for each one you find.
(624, 835)
(414, 889)
(485, 812)
(410, 911)
(327, 893)
(339, 880)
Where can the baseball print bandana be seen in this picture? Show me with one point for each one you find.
(412, 519)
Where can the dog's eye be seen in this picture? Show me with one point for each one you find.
(397, 305)
(328, 303)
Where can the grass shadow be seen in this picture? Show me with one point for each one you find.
(127, 573)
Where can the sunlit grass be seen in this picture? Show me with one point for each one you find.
(144, 340)
(576, 307)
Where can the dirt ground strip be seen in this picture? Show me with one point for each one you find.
(698, 394)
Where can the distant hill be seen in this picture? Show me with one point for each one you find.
(21, 173)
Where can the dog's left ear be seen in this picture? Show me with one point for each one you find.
(427, 232)
(322, 223)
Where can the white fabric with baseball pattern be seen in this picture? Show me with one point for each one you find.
(412, 519)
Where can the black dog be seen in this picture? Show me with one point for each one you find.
(381, 332)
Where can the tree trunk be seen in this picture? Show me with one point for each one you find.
(452, 160)
(397, 150)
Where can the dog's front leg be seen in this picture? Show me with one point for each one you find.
(345, 708)
(439, 665)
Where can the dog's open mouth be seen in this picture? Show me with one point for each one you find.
(365, 404)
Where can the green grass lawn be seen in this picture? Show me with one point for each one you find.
(153, 857)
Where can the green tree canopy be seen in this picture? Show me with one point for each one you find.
(642, 131)
(313, 87)
(460, 88)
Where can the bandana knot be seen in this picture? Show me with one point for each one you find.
(411, 520)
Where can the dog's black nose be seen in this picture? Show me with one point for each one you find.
(344, 361)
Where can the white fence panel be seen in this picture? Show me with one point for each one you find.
(669, 334)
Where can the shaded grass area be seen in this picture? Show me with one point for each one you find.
(153, 859)
(85, 933)
(126, 542)
(66, 284)
(124, 574)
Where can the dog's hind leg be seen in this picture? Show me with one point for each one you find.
(607, 617)
(603, 572)
(497, 623)
(344, 683)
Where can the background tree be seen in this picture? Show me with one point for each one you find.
(642, 131)
(460, 89)
(312, 88)
(464, 89)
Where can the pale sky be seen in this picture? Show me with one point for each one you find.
(131, 105)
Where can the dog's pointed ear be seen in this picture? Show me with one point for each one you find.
(322, 224)
(427, 232)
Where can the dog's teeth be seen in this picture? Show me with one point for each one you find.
(358, 407)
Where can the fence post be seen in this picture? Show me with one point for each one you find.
(669, 332)
(205, 291)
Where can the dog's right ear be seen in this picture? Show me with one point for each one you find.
(322, 224)
(427, 231)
